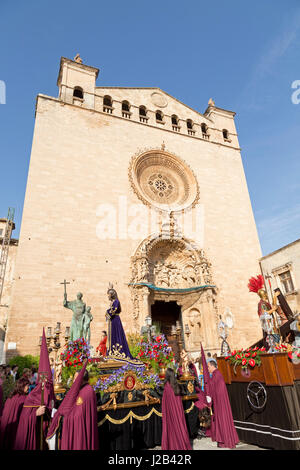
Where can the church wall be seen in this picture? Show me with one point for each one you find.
(80, 160)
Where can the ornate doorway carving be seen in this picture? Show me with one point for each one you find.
(173, 270)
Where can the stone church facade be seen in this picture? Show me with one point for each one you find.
(133, 187)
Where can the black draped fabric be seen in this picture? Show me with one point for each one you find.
(284, 305)
(139, 434)
(277, 426)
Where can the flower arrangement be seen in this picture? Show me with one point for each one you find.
(294, 355)
(245, 358)
(75, 353)
(73, 357)
(157, 352)
(118, 376)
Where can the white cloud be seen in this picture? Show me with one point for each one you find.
(278, 230)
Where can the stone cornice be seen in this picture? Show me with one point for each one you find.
(114, 116)
(211, 109)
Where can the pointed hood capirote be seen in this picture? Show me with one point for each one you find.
(44, 380)
(68, 402)
(42, 394)
(206, 376)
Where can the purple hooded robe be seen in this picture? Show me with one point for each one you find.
(222, 427)
(43, 393)
(175, 435)
(78, 413)
(10, 420)
(116, 334)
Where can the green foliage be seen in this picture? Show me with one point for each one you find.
(24, 362)
(133, 340)
(92, 369)
(68, 373)
(7, 387)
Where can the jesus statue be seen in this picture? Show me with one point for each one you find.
(116, 335)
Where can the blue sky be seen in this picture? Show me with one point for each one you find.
(245, 55)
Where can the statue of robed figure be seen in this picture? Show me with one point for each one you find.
(117, 342)
(78, 308)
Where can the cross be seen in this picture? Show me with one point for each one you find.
(43, 376)
(65, 284)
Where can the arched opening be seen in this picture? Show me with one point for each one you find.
(190, 127)
(143, 114)
(142, 111)
(165, 316)
(78, 92)
(225, 135)
(159, 116)
(174, 119)
(175, 123)
(189, 124)
(204, 130)
(125, 106)
(126, 109)
(107, 104)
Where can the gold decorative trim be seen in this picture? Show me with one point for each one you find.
(131, 415)
(190, 387)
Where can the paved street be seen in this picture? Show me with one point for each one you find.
(206, 444)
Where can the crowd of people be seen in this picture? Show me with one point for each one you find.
(9, 375)
(33, 419)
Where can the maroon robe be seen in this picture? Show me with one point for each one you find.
(10, 420)
(201, 402)
(78, 414)
(222, 427)
(30, 425)
(1, 398)
(80, 428)
(175, 435)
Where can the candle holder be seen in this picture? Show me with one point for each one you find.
(56, 346)
(187, 331)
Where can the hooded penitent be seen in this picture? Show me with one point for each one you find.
(222, 426)
(11, 415)
(78, 416)
(42, 394)
(174, 429)
(202, 402)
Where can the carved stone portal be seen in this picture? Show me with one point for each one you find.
(169, 263)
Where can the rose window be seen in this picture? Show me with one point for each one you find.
(163, 180)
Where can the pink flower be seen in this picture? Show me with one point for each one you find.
(251, 362)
